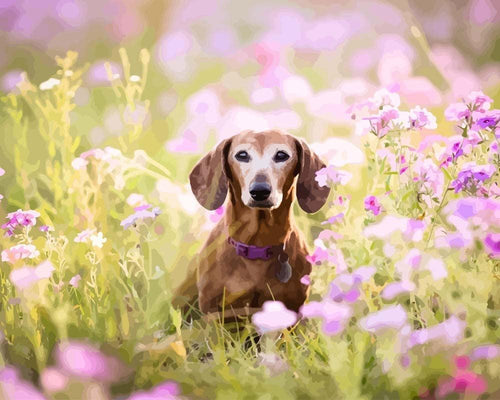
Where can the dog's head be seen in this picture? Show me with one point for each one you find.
(261, 168)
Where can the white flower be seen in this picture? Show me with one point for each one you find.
(49, 84)
(135, 78)
(385, 98)
(98, 240)
(79, 163)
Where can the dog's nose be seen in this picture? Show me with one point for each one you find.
(260, 191)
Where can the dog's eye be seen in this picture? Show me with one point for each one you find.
(242, 156)
(281, 156)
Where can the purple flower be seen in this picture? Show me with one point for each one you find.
(488, 122)
(333, 220)
(141, 213)
(84, 236)
(421, 118)
(394, 289)
(372, 204)
(2, 171)
(84, 361)
(273, 317)
(450, 332)
(305, 280)
(345, 287)
(486, 352)
(457, 112)
(20, 218)
(335, 316)
(492, 244)
(471, 177)
(46, 228)
(393, 317)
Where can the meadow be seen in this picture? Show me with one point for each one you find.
(99, 230)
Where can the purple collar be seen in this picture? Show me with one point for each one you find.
(254, 252)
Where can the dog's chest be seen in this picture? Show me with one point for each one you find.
(249, 274)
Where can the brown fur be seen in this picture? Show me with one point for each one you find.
(227, 279)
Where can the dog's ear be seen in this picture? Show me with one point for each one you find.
(208, 178)
(310, 195)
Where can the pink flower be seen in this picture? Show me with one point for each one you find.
(335, 316)
(84, 361)
(75, 280)
(25, 277)
(305, 280)
(216, 215)
(273, 317)
(478, 101)
(19, 252)
(331, 255)
(2, 171)
(168, 390)
(372, 204)
(53, 380)
(332, 176)
(13, 388)
(463, 380)
(411, 229)
(46, 228)
(392, 317)
(380, 124)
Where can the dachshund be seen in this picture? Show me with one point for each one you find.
(256, 253)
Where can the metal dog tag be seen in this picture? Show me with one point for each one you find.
(284, 270)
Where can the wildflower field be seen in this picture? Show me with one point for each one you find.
(100, 230)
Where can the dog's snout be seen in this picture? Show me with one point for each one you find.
(260, 191)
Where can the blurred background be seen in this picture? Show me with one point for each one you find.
(218, 67)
